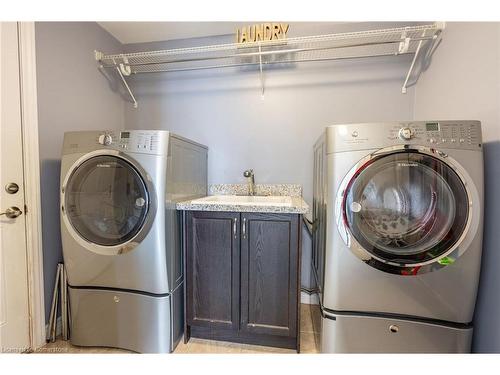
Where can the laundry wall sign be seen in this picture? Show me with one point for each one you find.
(261, 32)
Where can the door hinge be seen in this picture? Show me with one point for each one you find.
(25, 209)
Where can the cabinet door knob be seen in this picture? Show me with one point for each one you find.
(234, 227)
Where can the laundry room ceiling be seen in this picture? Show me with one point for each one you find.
(141, 32)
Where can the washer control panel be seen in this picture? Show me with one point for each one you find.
(146, 141)
(463, 135)
(446, 134)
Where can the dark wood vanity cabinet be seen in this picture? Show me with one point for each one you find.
(242, 277)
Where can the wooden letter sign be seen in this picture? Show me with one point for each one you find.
(264, 31)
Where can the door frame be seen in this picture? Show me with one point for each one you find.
(31, 164)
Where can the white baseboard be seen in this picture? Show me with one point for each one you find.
(309, 299)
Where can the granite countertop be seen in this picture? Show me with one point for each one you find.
(298, 205)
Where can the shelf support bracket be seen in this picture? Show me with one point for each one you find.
(404, 44)
(122, 68)
(405, 84)
(261, 74)
(125, 67)
(98, 55)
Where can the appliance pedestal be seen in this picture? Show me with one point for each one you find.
(372, 334)
(126, 320)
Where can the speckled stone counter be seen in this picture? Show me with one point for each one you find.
(298, 205)
(291, 190)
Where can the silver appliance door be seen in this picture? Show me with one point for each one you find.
(404, 211)
(107, 203)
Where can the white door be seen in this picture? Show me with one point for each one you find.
(14, 315)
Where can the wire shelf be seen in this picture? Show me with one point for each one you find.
(385, 42)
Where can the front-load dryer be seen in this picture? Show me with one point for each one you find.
(397, 250)
(121, 234)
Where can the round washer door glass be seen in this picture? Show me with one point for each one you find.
(406, 208)
(106, 200)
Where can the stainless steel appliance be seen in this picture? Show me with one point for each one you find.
(398, 213)
(121, 234)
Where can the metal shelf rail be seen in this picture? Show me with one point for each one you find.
(353, 45)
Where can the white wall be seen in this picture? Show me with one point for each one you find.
(72, 95)
(463, 82)
(274, 136)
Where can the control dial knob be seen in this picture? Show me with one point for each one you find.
(405, 133)
(105, 139)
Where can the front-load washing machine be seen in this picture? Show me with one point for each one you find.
(121, 234)
(398, 213)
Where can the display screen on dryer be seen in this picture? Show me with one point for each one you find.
(432, 126)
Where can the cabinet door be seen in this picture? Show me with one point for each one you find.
(212, 265)
(269, 273)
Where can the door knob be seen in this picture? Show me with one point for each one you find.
(12, 212)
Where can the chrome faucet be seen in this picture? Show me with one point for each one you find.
(251, 181)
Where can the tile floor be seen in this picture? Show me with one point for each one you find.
(308, 342)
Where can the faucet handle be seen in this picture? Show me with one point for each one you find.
(248, 173)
